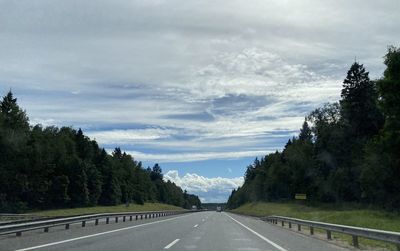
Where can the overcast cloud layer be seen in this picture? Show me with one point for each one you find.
(181, 81)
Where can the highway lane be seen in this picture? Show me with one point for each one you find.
(196, 231)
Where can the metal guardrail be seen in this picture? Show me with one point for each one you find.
(355, 232)
(46, 224)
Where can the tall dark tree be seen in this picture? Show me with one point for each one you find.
(359, 103)
(156, 173)
(12, 115)
(305, 133)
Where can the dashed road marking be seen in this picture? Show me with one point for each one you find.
(171, 244)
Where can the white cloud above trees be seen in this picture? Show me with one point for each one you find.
(209, 189)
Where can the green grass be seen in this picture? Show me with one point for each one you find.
(351, 215)
(105, 209)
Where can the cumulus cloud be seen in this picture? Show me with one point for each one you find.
(209, 189)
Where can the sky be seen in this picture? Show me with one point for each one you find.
(200, 87)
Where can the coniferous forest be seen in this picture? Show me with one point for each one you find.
(347, 151)
(42, 168)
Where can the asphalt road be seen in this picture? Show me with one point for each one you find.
(196, 231)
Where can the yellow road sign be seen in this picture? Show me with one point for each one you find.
(300, 196)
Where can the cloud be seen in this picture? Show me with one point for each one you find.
(130, 136)
(195, 156)
(209, 189)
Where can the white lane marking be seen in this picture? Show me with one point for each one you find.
(259, 235)
(98, 234)
(196, 225)
(171, 244)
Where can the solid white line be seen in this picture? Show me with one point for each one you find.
(196, 225)
(171, 244)
(259, 235)
(98, 234)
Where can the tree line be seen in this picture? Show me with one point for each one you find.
(42, 168)
(348, 151)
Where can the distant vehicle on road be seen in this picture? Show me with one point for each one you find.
(219, 209)
(194, 207)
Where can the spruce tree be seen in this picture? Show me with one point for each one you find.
(359, 103)
(12, 115)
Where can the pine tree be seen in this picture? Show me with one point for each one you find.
(13, 116)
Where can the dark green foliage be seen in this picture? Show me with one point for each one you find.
(156, 173)
(59, 191)
(94, 184)
(351, 151)
(61, 167)
(359, 103)
(381, 169)
(13, 117)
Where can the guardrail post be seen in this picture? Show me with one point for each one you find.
(96, 222)
(283, 223)
(355, 241)
(83, 223)
(136, 217)
(130, 218)
(311, 230)
(298, 227)
(46, 229)
(290, 224)
(145, 216)
(141, 216)
(18, 233)
(66, 226)
(124, 219)
(328, 235)
(107, 220)
(116, 219)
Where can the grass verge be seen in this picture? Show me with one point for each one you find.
(105, 209)
(350, 215)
